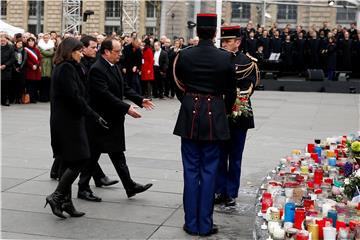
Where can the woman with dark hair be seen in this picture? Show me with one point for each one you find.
(68, 110)
(33, 69)
(147, 69)
(19, 70)
(331, 58)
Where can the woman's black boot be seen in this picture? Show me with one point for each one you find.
(56, 200)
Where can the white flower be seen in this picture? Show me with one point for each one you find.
(347, 181)
(357, 173)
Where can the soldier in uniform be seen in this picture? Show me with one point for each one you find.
(240, 120)
(206, 89)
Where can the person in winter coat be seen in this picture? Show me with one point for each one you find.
(7, 60)
(68, 111)
(19, 71)
(46, 47)
(147, 69)
(331, 58)
(33, 69)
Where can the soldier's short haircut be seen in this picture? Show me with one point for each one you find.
(206, 33)
(86, 40)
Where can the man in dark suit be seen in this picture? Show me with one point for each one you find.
(107, 90)
(161, 62)
(240, 120)
(204, 74)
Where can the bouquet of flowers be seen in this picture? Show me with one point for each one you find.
(352, 185)
(354, 149)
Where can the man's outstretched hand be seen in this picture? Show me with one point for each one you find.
(148, 104)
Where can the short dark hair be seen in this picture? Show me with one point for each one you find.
(66, 48)
(107, 44)
(206, 33)
(86, 40)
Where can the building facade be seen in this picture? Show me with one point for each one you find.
(168, 17)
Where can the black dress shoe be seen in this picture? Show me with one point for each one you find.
(230, 202)
(105, 181)
(219, 198)
(189, 232)
(214, 230)
(138, 188)
(88, 195)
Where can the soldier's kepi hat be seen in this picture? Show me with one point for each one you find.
(206, 20)
(229, 32)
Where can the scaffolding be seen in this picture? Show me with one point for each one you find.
(130, 15)
(71, 20)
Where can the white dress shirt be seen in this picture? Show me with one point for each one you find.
(156, 57)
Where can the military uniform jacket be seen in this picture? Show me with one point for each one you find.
(242, 113)
(208, 81)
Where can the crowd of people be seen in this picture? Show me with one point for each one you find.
(336, 49)
(146, 62)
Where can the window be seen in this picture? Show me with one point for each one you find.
(240, 10)
(32, 8)
(344, 14)
(112, 8)
(32, 28)
(150, 30)
(287, 12)
(3, 7)
(110, 29)
(150, 9)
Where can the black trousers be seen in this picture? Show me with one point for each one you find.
(158, 87)
(32, 87)
(118, 160)
(5, 91)
(45, 89)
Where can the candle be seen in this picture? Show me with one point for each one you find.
(310, 148)
(318, 176)
(266, 202)
(318, 151)
(314, 231)
(333, 215)
(279, 233)
(315, 156)
(289, 192)
(325, 208)
(289, 212)
(332, 161)
(309, 204)
(321, 224)
(340, 224)
(329, 233)
(299, 217)
(302, 235)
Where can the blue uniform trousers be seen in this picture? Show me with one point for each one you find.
(200, 163)
(229, 171)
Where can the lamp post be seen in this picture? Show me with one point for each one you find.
(172, 24)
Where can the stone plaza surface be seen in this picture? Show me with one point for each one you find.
(284, 121)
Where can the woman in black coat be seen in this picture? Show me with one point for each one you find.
(331, 58)
(68, 110)
(19, 71)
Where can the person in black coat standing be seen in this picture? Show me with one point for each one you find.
(68, 111)
(132, 62)
(7, 60)
(331, 58)
(161, 62)
(345, 50)
(265, 42)
(251, 44)
(107, 90)
(313, 51)
(299, 53)
(204, 74)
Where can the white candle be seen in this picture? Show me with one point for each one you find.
(279, 233)
(325, 208)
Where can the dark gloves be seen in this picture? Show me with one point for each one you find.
(102, 123)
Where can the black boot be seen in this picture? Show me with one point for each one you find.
(56, 200)
(69, 208)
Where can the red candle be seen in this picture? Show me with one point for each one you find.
(352, 224)
(302, 235)
(328, 222)
(318, 176)
(299, 217)
(321, 224)
(266, 202)
(309, 204)
(328, 180)
(340, 224)
(315, 156)
(310, 147)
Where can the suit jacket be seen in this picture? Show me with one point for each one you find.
(68, 110)
(7, 58)
(131, 58)
(107, 91)
(207, 74)
(163, 61)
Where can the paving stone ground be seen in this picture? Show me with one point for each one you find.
(284, 120)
